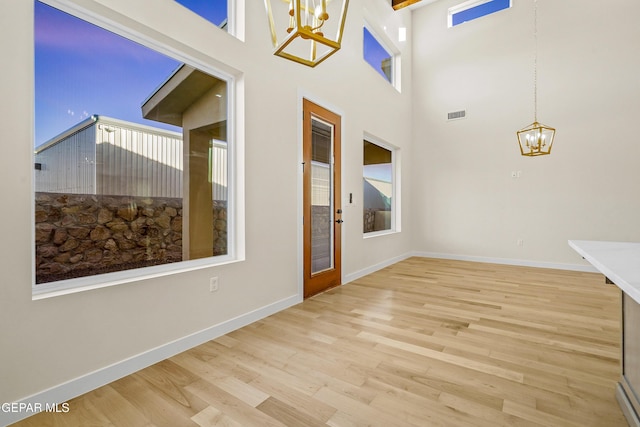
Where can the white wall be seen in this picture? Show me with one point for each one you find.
(47, 342)
(458, 195)
(465, 201)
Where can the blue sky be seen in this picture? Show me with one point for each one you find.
(82, 70)
(381, 172)
(374, 53)
(214, 11)
(479, 11)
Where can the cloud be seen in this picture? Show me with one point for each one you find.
(82, 115)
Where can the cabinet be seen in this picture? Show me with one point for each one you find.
(629, 384)
(620, 263)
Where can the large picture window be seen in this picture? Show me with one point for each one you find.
(133, 157)
(379, 188)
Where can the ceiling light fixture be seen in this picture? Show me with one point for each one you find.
(306, 31)
(535, 139)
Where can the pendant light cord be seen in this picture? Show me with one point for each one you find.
(535, 61)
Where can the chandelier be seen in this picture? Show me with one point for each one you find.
(535, 139)
(306, 31)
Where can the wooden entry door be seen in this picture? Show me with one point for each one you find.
(322, 208)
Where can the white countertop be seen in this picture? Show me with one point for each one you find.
(619, 261)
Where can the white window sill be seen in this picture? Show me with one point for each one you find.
(81, 284)
(378, 233)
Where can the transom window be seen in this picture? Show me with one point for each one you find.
(475, 9)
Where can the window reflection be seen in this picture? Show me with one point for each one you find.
(378, 187)
(119, 186)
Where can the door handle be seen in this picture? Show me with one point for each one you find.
(339, 221)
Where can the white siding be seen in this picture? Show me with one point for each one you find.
(68, 166)
(138, 162)
(219, 170)
(112, 157)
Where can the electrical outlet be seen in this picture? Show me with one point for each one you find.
(520, 242)
(213, 284)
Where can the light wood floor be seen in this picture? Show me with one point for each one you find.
(421, 343)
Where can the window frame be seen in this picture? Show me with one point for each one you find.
(395, 187)
(388, 46)
(235, 209)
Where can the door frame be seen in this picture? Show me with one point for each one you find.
(304, 95)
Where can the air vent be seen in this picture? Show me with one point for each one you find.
(457, 115)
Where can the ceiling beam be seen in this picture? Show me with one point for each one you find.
(399, 4)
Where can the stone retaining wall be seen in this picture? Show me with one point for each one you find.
(376, 220)
(369, 220)
(81, 235)
(219, 227)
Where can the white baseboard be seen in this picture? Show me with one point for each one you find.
(372, 269)
(626, 406)
(86, 383)
(508, 261)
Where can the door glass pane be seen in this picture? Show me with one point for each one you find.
(321, 196)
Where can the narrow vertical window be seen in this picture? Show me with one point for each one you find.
(379, 57)
(378, 190)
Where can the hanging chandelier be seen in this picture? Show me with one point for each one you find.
(306, 31)
(535, 139)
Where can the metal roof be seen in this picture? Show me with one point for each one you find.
(96, 119)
